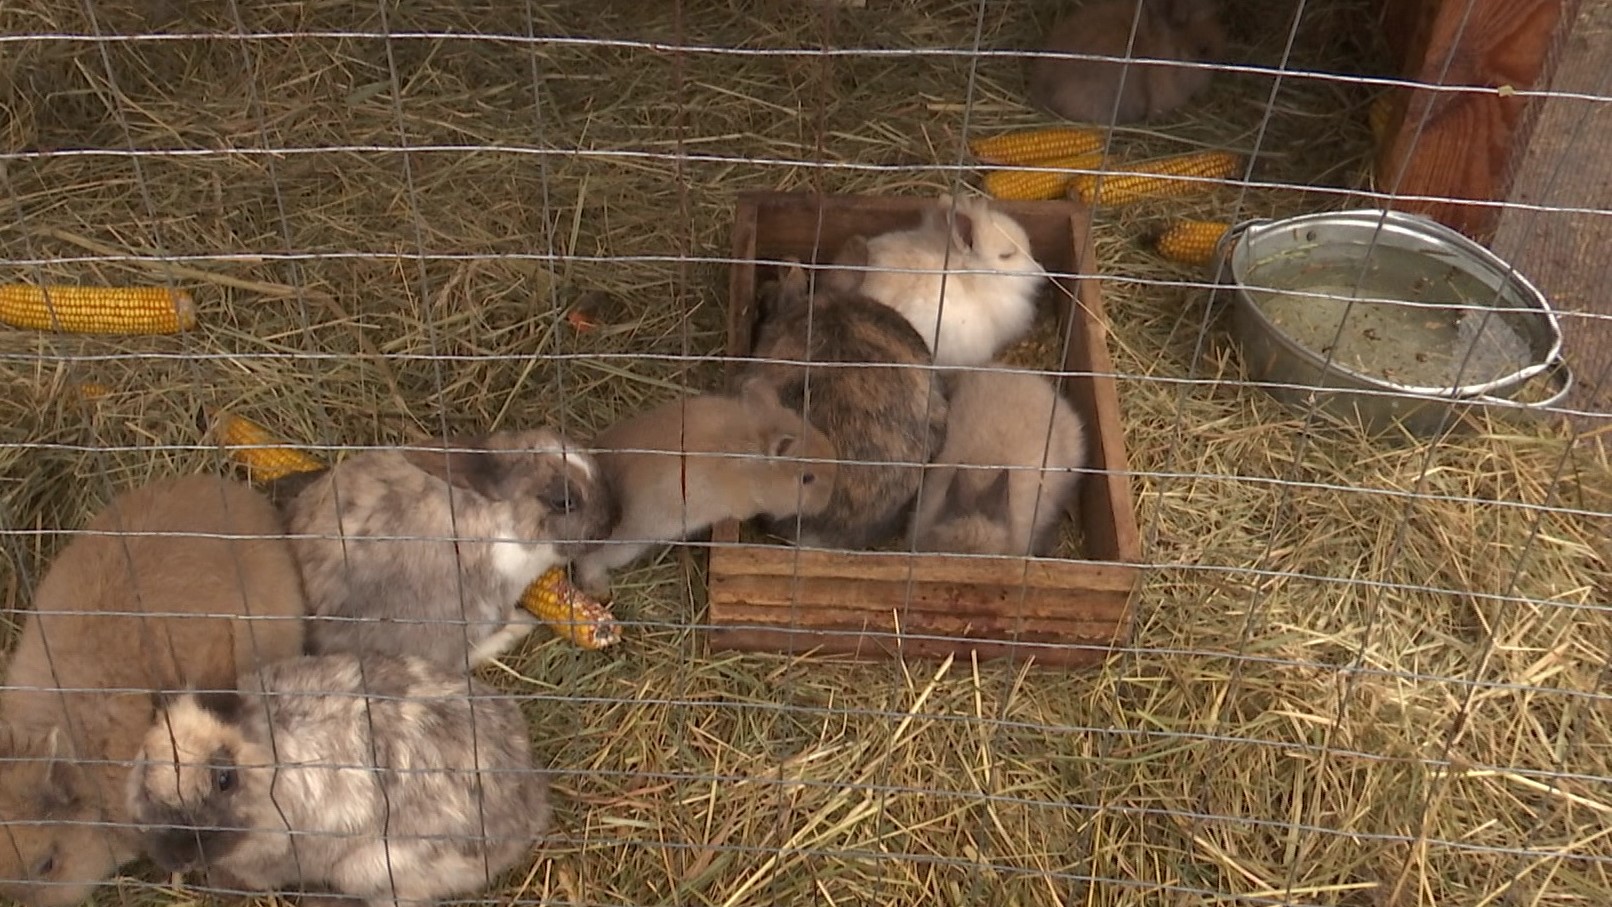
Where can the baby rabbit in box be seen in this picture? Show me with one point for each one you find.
(969, 289)
(870, 390)
(391, 780)
(1032, 444)
(427, 551)
(685, 465)
(1087, 90)
(226, 606)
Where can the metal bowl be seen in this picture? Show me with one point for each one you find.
(1388, 320)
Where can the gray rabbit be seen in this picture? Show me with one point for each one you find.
(390, 780)
(874, 394)
(427, 551)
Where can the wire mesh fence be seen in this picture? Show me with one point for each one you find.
(1317, 665)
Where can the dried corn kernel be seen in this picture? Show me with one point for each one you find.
(569, 612)
(97, 310)
(91, 391)
(1027, 146)
(1191, 242)
(1034, 185)
(265, 457)
(1158, 179)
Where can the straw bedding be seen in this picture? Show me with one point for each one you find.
(1363, 674)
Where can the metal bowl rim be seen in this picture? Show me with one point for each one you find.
(1371, 217)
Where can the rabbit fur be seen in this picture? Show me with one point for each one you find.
(665, 494)
(88, 633)
(1087, 90)
(390, 780)
(1002, 420)
(481, 519)
(885, 410)
(974, 316)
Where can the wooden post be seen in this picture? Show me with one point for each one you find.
(1467, 144)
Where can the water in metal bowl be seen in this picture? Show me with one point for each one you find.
(1394, 317)
(1388, 319)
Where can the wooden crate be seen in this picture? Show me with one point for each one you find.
(1064, 612)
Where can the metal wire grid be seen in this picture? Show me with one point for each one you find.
(17, 533)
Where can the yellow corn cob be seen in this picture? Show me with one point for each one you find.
(1191, 242)
(1034, 185)
(1156, 179)
(90, 391)
(97, 310)
(1027, 146)
(265, 457)
(569, 612)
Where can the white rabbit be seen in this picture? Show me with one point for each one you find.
(1026, 445)
(980, 314)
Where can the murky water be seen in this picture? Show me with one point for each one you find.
(1422, 343)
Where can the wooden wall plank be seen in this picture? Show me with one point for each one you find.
(1465, 145)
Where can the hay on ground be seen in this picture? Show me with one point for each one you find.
(1361, 674)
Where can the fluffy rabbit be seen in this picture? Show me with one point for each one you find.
(884, 411)
(1086, 90)
(64, 756)
(669, 496)
(426, 551)
(391, 780)
(1002, 419)
(979, 313)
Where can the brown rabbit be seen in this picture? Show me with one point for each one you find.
(426, 550)
(229, 605)
(873, 394)
(1011, 464)
(755, 464)
(1086, 90)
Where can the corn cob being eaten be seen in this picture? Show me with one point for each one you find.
(569, 612)
(264, 456)
(97, 310)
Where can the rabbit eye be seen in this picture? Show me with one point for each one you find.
(224, 780)
(808, 478)
(1005, 256)
(45, 866)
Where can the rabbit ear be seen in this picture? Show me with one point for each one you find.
(62, 777)
(283, 490)
(463, 463)
(852, 254)
(225, 705)
(781, 444)
(992, 500)
(963, 221)
(562, 493)
(790, 289)
(957, 501)
(757, 392)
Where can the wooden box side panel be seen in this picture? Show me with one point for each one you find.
(866, 644)
(1107, 509)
